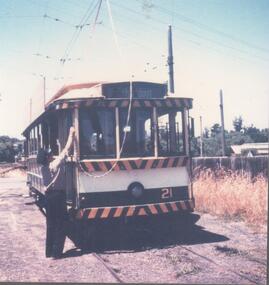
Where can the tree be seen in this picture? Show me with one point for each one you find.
(238, 123)
(7, 150)
(215, 129)
(206, 133)
(256, 135)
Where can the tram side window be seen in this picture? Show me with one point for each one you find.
(97, 133)
(33, 141)
(53, 135)
(170, 133)
(139, 135)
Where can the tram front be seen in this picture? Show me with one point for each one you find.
(133, 153)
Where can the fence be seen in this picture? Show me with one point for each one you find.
(253, 165)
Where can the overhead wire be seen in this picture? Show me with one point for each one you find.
(77, 32)
(221, 44)
(191, 21)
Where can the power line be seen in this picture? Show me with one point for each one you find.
(194, 34)
(207, 28)
(78, 30)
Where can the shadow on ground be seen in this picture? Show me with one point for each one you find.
(138, 235)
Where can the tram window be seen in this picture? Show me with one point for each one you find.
(139, 136)
(32, 140)
(170, 133)
(53, 135)
(45, 135)
(97, 133)
(39, 137)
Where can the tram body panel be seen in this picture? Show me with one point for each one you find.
(120, 180)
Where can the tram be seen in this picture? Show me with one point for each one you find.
(130, 153)
(118, 150)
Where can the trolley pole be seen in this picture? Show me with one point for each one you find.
(222, 124)
(201, 137)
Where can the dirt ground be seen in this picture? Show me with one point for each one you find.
(212, 251)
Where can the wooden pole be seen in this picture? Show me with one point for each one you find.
(170, 61)
(201, 137)
(222, 124)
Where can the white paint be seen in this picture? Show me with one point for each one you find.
(120, 180)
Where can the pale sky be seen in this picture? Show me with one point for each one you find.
(217, 45)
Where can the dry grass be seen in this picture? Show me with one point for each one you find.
(232, 195)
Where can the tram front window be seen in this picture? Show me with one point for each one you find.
(139, 135)
(170, 133)
(97, 133)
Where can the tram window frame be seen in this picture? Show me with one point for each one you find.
(53, 133)
(179, 136)
(132, 133)
(101, 136)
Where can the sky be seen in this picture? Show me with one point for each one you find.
(221, 44)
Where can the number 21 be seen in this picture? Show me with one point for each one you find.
(167, 193)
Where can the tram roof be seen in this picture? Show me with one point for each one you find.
(74, 94)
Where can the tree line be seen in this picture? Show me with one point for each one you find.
(239, 135)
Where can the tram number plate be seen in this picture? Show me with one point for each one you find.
(166, 193)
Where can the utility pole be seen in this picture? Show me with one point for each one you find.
(170, 61)
(201, 137)
(222, 124)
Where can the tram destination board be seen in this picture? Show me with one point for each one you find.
(141, 90)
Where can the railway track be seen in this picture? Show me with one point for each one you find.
(111, 270)
(119, 279)
(10, 167)
(196, 254)
(243, 276)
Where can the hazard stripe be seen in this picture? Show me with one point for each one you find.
(108, 165)
(130, 211)
(121, 165)
(174, 207)
(143, 164)
(134, 164)
(96, 166)
(142, 212)
(127, 165)
(105, 213)
(175, 162)
(145, 210)
(153, 209)
(117, 168)
(118, 212)
(149, 164)
(170, 162)
(92, 213)
(164, 208)
(155, 163)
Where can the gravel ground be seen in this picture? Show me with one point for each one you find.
(212, 251)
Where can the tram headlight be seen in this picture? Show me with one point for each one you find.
(136, 189)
